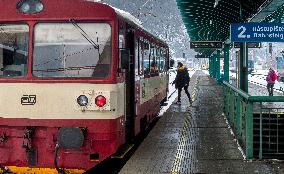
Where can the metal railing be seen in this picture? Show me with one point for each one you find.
(240, 111)
(270, 124)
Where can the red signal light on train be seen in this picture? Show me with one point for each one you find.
(100, 101)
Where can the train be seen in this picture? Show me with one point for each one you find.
(79, 80)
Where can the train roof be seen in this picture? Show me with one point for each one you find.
(63, 9)
(129, 17)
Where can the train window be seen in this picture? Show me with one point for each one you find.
(161, 61)
(146, 63)
(164, 53)
(13, 50)
(121, 35)
(158, 59)
(153, 61)
(137, 57)
(72, 50)
(141, 51)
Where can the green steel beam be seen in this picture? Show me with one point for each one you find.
(255, 98)
(249, 131)
(246, 69)
(243, 67)
(266, 98)
(240, 92)
(218, 65)
(214, 66)
(239, 111)
(238, 114)
(210, 66)
(260, 135)
(240, 68)
(214, 21)
(226, 62)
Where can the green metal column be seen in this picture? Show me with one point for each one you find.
(260, 134)
(246, 69)
(210, 66)
(214, 66)
(240, 67)
(218, 65)
(243, 67)
(249, 130)
(238, 115)
(226, 62)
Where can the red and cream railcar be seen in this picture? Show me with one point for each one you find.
(78, 80)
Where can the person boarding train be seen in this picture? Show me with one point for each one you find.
(182, 81)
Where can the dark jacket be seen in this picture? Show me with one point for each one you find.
(182, 78)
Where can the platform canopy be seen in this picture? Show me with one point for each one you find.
(210, 20)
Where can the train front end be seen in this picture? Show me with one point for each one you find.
(60, 105)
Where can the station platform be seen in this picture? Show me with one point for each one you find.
(195, 139)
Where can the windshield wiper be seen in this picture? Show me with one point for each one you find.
(8, 39)
(85, 35)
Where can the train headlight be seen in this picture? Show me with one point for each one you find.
(82, 100)
(39, 7)
(100, 101)
(25, 7)
(30, 6)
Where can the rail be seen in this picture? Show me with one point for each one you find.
(243, 110)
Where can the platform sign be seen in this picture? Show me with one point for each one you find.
(205, 44)
(257, 32)
(201, 56)
(249, 44)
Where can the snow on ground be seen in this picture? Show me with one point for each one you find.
(205, 71)
(260, 77)
(257, 78)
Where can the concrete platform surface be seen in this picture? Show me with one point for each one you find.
(195, 139)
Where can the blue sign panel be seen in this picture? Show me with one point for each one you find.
(257, 32)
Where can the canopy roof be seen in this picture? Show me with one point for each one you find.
(210, 20)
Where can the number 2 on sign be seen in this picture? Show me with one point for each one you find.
(243, 30)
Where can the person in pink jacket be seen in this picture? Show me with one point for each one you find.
(270, 79)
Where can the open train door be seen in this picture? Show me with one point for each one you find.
(126, 56)
(129, 87)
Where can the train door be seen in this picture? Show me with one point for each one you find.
(130, 86)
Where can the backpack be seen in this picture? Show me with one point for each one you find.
(187, 76)
(274, 77)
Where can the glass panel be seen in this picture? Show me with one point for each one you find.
(72, 50)
(141, 51)
(14, 41)
(162, 61)
(146, 57)
(153, 61)
(136, 57)
(121, 38)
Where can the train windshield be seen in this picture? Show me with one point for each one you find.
(72, 50)
(13, 50)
